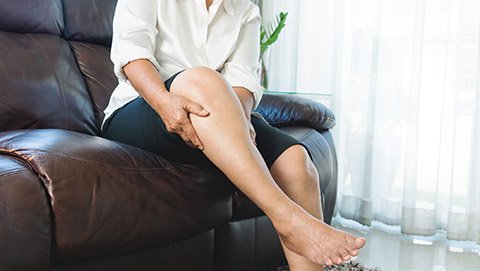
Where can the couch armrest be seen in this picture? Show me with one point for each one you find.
(289, 110)
(25, 232)
(109, 198)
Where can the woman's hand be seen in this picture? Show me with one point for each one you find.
(174, 111)
(253, 134)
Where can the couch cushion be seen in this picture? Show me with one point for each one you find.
(31, 16)
(41, 86)
(89, 21)
(25, 232)
(247, 245)
(111, 199)
(197, 249)
(291, 110)
(97, 70)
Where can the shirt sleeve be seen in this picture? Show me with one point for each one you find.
(134, 34)
(243, 66)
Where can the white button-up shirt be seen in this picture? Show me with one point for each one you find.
(178, 34)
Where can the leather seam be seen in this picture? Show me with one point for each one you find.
(97, 164)
(83, 75)
(27, 159)
(47, 200)
(306, 135)
(255, 240)
(48, 196)
(62, 31)
(19, 157)
(288, 122)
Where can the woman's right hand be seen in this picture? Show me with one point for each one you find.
(175, 111)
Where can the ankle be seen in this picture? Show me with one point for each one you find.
(286, 218)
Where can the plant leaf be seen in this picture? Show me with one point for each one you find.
(270, 33)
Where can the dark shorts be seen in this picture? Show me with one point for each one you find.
(137, 124)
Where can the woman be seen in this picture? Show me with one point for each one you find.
(208, 51)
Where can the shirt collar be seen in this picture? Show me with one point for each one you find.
(228, 5)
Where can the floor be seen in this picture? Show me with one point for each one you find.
(391, 251)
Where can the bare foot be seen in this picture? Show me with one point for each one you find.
(317, 241)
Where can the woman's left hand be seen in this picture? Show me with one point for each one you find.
(253, 134)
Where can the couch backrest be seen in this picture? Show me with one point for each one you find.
(55, 70)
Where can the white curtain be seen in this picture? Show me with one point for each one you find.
(405, 75)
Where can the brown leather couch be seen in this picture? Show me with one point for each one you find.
(70, 200)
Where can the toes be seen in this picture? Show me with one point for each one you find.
(360, 242)
(345, 254)
(327, 262)
(337, 260)
(333, 259)
(350, 248)
(347, 258)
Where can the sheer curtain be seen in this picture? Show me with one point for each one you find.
(405, 76)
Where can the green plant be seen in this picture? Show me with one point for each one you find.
(268, 36)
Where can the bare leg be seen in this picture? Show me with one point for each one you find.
(226, 141)
(296, 175)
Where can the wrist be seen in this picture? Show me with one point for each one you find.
(159, 101)
(163, 96)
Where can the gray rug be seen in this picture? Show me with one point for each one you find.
(352, 265)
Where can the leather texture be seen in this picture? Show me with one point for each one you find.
(110, 199)
(96, 68)
(289, 110)
(25, 228)
(41, 85)
(43, 16)
(193, 254)
(94, 26)
(70, 200)
(249, 244)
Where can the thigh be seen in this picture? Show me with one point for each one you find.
(137, 124)
(271, 141)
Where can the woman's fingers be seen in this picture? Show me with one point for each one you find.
(187, 127)
(253, 134)
(194, 108)
(189, 135)
(185, 130)
(175, 111)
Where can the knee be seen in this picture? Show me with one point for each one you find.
(305, 173)
(201, 82)
(201, 75)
